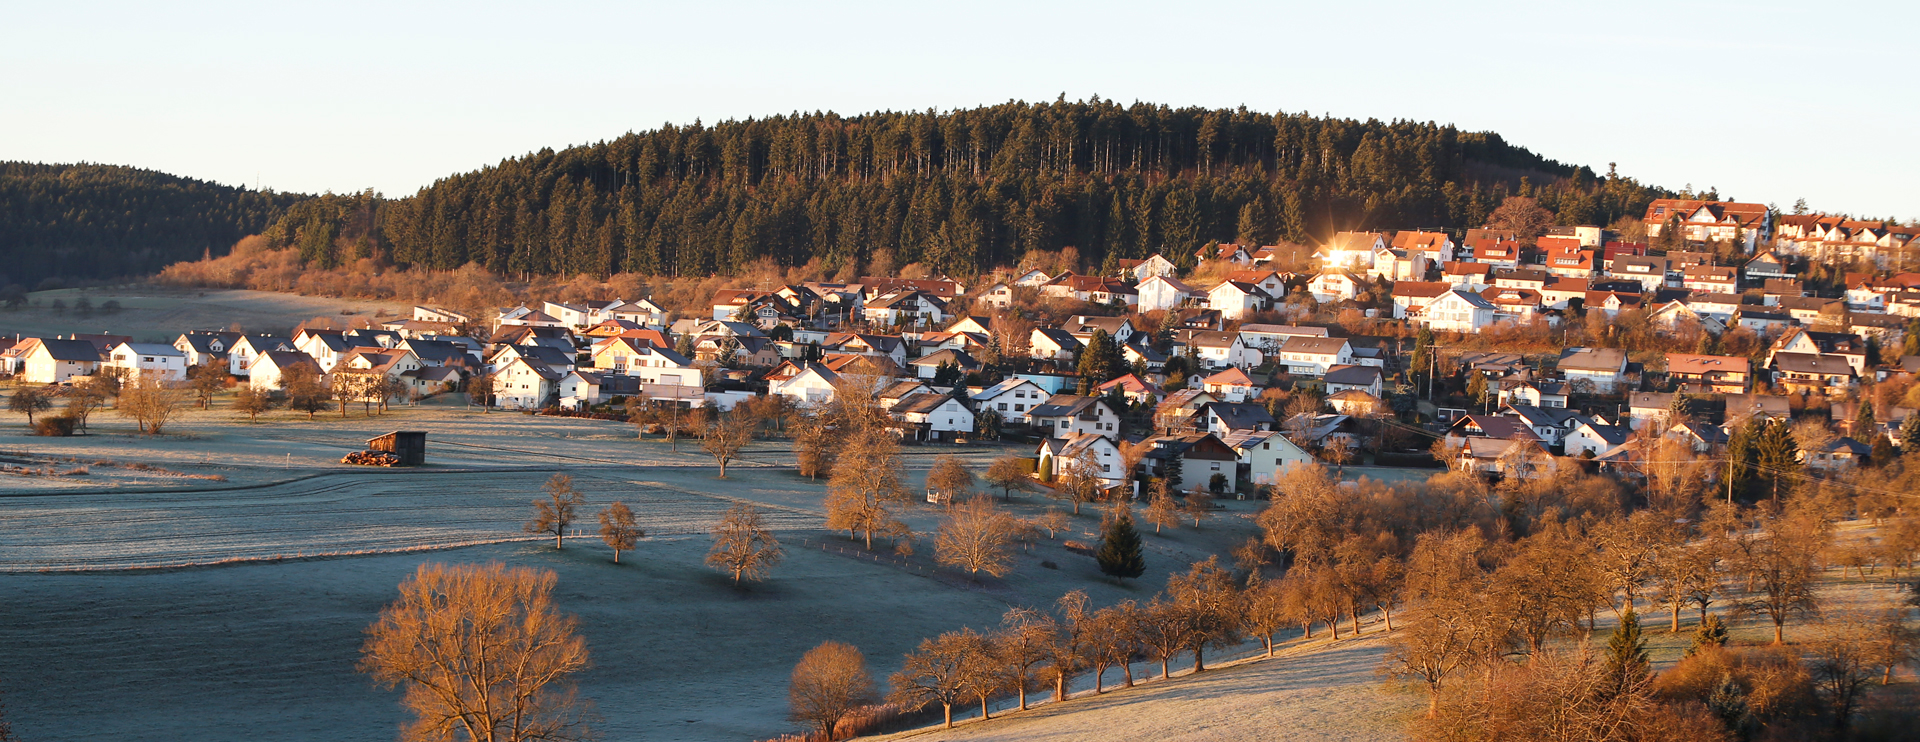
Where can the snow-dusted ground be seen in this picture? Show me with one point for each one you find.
(1316, 692)
(258, 648)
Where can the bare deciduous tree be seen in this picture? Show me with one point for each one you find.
(480, 390)
(617, 529)
(743, 546)
(1162, 630)
(1779, 563)
(1112, 639)
(555, 513)
(725, 436)
(1162, 511)
(481, 654)
(251, 403)
(943, 670)
(150, 403)
(1068, 651)
(858, 497)
(830, 682)
(1025, 639)
(1053, 522)
(205, 381)
(1005, 473)
(1210, 601)
(950, 477)
(29, 399)
(976, 537)
(813, 444)
(1199, 505)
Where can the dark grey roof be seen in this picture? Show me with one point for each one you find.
(1352, 375)
(1241, 415)
(71, 350)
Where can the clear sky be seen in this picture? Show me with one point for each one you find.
(1767, 101)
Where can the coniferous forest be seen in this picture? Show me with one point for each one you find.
(81, 222)
(958, 191)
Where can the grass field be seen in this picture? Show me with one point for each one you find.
(160, 314)
(267, 639)
(141, 604)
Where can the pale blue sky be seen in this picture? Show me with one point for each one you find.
(1768, 101)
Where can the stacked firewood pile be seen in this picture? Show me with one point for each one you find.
(371, 458)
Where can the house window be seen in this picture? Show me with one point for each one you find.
(1003, 406)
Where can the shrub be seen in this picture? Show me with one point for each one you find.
(56, 426)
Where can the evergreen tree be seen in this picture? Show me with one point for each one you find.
(1711, 633)
(1910, 434)
(1627, 664)
(1119, 554)
(1863, 422)
(1778, 457)
(1743, 452)
(1911, 345)
(1678, 410)
(1873, 351)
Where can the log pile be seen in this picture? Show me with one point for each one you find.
(371, 458)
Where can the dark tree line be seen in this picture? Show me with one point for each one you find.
(958, 191)
(101, 221)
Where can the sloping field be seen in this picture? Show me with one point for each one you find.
(345, 513)
(1315, 692)
(160, 314)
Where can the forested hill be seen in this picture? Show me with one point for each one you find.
(960, 190)
(79, 222)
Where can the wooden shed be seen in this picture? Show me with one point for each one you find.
(409, 445)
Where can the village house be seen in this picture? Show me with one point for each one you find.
(1066, 415)
(1437, 247)
(1227, 251)
(1591, 438)
(1053, 344)
(1226, 417)
(1604, 369)
(1235, 300)
(1156, 265)
(1456, 311)
(927, 366)
(1356, 403)
(1340, 378)
(1082, 326)
(1352, 251)
(53, 361)
(243, 352)
(1311, 356)
(205, 348)
(1195, 458)
(1056, 455)
(1263, 455)
(1410, 295)
(1710, 279)
(1164, 292)
(1539, 393)
(1708, 373)
(1469, 276)
(935, 417)
(1268, 338)
(582, 388)
(1810, 372)
(1135, 389)
(1221, 349)
(1335, 285)
(1011, 398)
(527, 384)
(1650, 272)
(811, 385)
(268, 371)
(1231, 385)
(1712, 221)
(147, 360)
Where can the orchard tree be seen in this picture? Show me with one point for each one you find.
(830, 682)
(252, 402)
(554, 514)
(743, 545)
(725, 436)
(976, 537)
(943, 670)
(617, 529)
(29, 400)
(481, 654)
(950, 477)
(1006, 473)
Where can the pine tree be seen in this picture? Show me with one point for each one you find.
(1778, 457)
(1119, 554)
(1910, 434)
(1627, 662)
(1863, 422)
(1712, 633)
